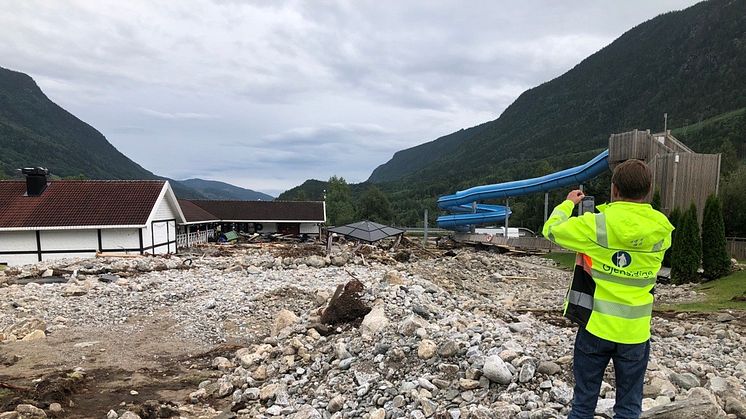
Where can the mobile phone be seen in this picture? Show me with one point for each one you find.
(587, 204)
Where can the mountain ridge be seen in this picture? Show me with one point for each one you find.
(628, 84)
(35, 131)
(690, 64)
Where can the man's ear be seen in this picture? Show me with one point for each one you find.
(614, 193)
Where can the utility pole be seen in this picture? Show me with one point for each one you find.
(665, 123)
(473, 227)
(546, 206)
(507, 209)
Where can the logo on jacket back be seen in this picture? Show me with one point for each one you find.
(621, 259)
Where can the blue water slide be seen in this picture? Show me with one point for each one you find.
(461, 201)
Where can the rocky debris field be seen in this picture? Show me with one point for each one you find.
(462, 334)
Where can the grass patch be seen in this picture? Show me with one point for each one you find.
(719, 294)
(564, 260)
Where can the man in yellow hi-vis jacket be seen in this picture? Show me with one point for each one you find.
(619, 253)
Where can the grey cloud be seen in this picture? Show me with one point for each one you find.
(176, 115)
(129, 130)
(268, 94)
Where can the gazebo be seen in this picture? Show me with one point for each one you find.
(367, 231)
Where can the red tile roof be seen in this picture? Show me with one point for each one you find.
(193, 213)
(66, 203)
(264, 210)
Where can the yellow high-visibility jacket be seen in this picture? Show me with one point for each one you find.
(619, 253)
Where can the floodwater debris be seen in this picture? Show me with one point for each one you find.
(345, 305)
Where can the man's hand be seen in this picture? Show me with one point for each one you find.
(576, 196)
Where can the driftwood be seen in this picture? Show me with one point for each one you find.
(345, 305)
(115, 255)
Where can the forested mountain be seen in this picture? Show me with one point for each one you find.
(311, 189)
(690, 64)
(34, 131)
(211, 189)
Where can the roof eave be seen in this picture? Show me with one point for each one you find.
(80, 227)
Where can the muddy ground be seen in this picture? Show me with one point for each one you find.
(119, 366)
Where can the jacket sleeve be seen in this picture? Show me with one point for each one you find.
(572, 233)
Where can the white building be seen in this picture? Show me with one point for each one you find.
(44, 220)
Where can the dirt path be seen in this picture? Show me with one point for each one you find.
(139, 356)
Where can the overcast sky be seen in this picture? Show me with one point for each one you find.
(267, 94)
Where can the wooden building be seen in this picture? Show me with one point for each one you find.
(680, 175)
(43, 220)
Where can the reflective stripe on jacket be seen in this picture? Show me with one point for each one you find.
(620, 250)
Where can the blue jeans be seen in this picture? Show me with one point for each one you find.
(592, 355)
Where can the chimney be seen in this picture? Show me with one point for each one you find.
(36, 180)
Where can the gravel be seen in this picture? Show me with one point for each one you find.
(475, 335)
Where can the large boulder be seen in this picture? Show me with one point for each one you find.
(691, 408)
(284, 319)
(30, 411)
(496, 370)
(374, 321)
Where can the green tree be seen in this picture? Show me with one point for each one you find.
(687, 252)
(734, 201)
(656, 201)
(339, 208)
(300, 196)
(675, 219)
(375, 206)
(728, 158)
(715, 259)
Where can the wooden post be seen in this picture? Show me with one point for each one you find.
(546, 206)
(675, 176)
(187, 236)
(717, 175)
(424, 231)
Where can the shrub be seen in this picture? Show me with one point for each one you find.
(687, 251)
(715, 259)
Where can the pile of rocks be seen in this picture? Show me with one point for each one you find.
(474, 335)
(25, 330)
(420, 354)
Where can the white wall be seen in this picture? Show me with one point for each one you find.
(268, 228)
(120, 238)
(157, 233)
(68, 240)
(161, 231)
(64, 240)
(165, 211)
(309, 228)
(17, 240)
(12, 260)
